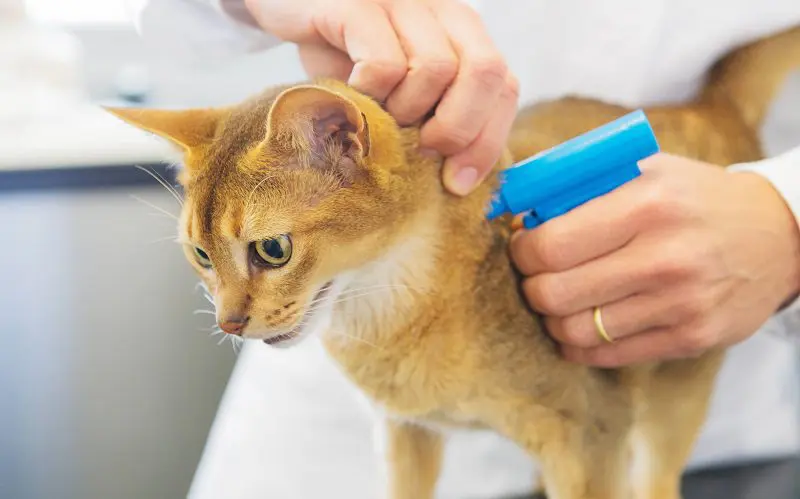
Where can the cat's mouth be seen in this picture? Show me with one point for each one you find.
(302, 324)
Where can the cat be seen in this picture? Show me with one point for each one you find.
(307, 208)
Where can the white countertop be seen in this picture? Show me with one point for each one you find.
(89, 136)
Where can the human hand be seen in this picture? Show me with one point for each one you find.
(685, 258)
(413, 55)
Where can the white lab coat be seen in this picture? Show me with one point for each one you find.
(290, 426)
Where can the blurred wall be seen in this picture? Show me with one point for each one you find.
(108, 50)
(112, 381)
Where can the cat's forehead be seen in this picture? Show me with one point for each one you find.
(246, 205)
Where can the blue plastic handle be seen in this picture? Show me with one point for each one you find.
(557, 180)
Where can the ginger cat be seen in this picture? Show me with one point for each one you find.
(308, 208)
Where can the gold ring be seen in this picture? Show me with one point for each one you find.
(598, 324)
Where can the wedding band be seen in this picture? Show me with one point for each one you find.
(598, 324)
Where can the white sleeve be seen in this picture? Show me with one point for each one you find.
(199, 29)
(783, 172)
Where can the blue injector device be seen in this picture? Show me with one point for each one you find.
(559, 179)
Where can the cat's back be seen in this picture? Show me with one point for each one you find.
(714, 134)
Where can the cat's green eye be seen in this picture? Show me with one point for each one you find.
(202, 258)
(275, 251)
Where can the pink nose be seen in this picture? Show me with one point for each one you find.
(234, 325)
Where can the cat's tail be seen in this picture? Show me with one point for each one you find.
(750, 77)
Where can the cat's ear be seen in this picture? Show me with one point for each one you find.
(318, 120)
(187, 129)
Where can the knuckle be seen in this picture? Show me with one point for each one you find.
(658, 202)
(674, 262)
(440, 70)
(386, 72)
(685, 308)
(694, 304)
(489, 72)
(697, 340)
(512, 86)
(454, 135)
(574, 333)
(546, 294)
(668, 199)
(547, 247)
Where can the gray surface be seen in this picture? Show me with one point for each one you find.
(108, 385)
(767, 480)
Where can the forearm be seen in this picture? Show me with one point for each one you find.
(200, 29)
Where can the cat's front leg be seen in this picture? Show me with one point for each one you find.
(576, 461)
(413, 460)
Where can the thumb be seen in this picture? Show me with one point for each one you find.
(322, 60)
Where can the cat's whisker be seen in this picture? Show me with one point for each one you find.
(157, 208)
(161, 180)
(381, 286)
(162, 239)
(342, 299)
(388, 287)
(202, 311)
(356, 338)
(349, 293)
(238, 344)
(250, 194)
(162, 215)
(209, 299)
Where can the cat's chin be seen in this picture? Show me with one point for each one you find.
(285, 340)
(307, 324)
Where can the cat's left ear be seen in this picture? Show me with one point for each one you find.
(187, 129)
(317, 119)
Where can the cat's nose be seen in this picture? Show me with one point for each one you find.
(233, 325)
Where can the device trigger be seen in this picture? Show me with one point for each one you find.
(530, 220)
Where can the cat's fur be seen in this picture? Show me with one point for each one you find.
(413, 290)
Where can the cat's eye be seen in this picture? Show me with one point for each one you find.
(275, 251)
(202, 258)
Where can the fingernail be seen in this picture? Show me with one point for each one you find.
(462, 180)
(517, 223)
(429, 153)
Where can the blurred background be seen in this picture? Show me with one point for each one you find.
(108, 381)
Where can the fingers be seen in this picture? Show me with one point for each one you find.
(656, 344)
(418, 55)
(322, 60)
(365, 33)
(463, 170)
(619, 275)
(433, 64)
(602, 225)
(480, 93)
(651, 345)
(621, 319)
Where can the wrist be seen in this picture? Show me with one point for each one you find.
(780, 222)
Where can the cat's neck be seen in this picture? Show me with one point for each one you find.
(378, 299)
(384, 297)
